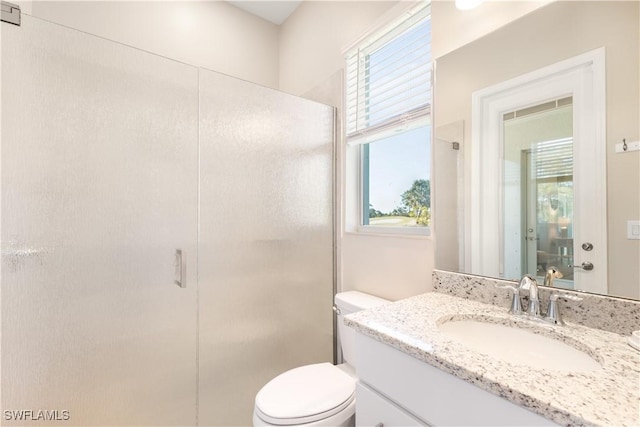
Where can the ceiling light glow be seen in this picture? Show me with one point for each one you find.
(467, 4)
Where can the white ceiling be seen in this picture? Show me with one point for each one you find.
(274, 11)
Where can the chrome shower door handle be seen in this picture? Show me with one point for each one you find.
(180, 275)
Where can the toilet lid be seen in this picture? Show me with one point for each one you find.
(305, 394)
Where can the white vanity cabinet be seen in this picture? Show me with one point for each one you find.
(396, 389)
(373, 409)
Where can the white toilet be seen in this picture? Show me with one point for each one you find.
(321, 394)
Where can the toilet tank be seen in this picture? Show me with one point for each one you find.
(350, 302)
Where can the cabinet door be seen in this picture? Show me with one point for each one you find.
(374, 410)
(99, 189)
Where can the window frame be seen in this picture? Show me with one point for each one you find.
(357, 225)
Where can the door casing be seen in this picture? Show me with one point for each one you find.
(582, 77)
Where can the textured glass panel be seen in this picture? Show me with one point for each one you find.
(265, 248)
(99, 187)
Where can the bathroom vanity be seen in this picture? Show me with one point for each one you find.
(413, 371)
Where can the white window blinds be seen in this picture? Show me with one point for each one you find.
(553, 159)
(389, 79)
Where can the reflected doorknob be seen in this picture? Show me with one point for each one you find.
(585, 266)
(587, 246)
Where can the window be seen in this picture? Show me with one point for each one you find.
(388, 100)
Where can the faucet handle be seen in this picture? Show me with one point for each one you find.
(516, 305)
(553, 313)
(554, 296)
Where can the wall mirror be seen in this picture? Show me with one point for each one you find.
(558, 194)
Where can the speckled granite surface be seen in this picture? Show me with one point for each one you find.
(612, 314)
(609, 396)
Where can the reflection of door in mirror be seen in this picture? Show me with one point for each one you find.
(556, 115)
(538, 191)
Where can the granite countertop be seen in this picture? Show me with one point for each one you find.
(606, 396)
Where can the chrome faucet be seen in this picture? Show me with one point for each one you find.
(528, 283)
(552, 273)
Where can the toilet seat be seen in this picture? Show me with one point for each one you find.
(305, 395)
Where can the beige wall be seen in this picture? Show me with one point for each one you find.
(313, 37)
(551, 34)
(212, 35)
(453, 28)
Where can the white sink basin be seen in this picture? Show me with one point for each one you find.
(519, 346)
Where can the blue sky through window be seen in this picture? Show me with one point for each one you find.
(395, 163)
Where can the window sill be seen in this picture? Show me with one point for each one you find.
(403, 233)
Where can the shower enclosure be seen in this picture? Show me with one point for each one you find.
(166, 235)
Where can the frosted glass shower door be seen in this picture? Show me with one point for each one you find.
(266, 241)
(99, 188)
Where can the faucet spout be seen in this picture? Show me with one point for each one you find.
(528, 283)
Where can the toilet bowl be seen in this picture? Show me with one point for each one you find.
(321, 394)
